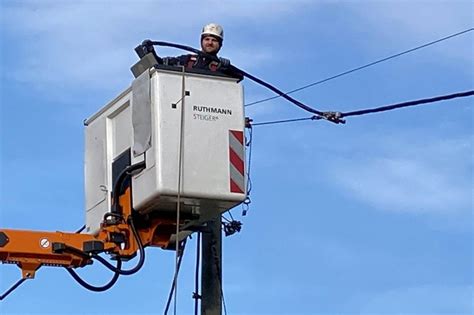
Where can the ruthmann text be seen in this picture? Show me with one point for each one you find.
(212, 110)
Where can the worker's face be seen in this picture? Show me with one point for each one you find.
(210, 45)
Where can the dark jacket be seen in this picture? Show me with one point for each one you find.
(203, 63)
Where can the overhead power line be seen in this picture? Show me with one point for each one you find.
(364, 66)
(336, 117)
(274, 122)
(407, 104)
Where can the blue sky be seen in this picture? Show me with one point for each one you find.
(371, 217)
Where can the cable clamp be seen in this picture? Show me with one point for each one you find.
(248, 122)
(334, 117)
(246, 205)
(197, 296)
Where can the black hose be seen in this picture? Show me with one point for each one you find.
(13, 288)
(140, 262)
(120, 179)
(94, 288)
(115, 212)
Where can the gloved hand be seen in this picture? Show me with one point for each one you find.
(145, 48)
(147, 43)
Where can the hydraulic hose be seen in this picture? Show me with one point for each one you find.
(118, 184)
(94, 288)
(118, 213)
(81, 229)
(140, 262)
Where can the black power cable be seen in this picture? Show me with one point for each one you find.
(364, 66)
(338, 115)
(335, 117)
(277, 91)
(148, 45)
(13, 288)
(170, 296)
(407, 104)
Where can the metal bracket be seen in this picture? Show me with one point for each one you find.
(146, 62)
(232, 227)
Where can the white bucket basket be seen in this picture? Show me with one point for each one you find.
(152, 121)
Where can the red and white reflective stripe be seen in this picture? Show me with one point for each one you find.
(237, 158)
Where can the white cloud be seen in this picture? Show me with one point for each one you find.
(405, 185)
(410, 177)
(90, 43)
(420, 18)
(410, 22)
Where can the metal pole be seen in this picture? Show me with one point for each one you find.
(211, 270)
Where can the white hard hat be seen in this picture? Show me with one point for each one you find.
(214, 30)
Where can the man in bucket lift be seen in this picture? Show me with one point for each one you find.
(212, 36)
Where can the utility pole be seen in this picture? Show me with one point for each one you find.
(211, 269)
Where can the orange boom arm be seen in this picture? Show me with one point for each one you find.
(33, 249)
(118, 237)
